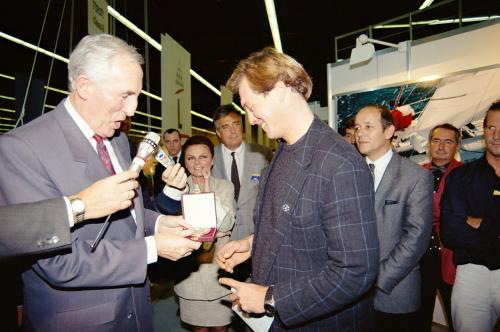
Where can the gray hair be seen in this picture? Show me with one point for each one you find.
(93, 55)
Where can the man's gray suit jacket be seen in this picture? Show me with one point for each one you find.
(403, 205)
(106, 290)
(34, 228)
(256, 158)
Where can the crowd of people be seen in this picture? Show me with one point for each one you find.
(330, 233)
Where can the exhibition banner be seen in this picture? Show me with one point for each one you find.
(97, 16)
(175, 86)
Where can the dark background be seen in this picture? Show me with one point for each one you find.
(217, 33)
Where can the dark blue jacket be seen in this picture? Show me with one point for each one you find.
(472, 190)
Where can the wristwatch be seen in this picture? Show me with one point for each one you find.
(269, 307)
(78, 208)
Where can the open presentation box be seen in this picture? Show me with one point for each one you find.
(199, 211)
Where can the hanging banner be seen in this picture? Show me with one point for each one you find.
(175, 86)
(226, 96)
(97, 16)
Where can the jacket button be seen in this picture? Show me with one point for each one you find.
(53, 240)
(286, 208)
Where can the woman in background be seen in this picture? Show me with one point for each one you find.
(199, 291)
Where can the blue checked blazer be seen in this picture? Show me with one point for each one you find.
(324, 252)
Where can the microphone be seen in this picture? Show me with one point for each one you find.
(146, 148)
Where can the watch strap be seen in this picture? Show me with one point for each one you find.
(269, 307)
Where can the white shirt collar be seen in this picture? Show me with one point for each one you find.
(177, 155)
(238, 151)
(380, 166)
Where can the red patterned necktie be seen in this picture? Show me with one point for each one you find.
(103, 154)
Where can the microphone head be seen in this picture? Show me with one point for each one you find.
(148, 145)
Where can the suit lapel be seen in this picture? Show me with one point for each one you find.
(247, 173)
(119, 153)
(219, 163)
(124, 163)
(246, 163)
(390, 176)
(81, 149)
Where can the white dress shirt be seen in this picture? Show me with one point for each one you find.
(380, 166)
(178, 157)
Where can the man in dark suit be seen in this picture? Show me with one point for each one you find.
(172, 142)
(64, 151)
(315, 247)
(44, 226)
(403, 204)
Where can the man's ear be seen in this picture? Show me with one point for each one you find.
(281, 89)
(217, 132)
(82, 86)
(389, 131)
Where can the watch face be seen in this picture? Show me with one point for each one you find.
(77, 205)
(269, 309)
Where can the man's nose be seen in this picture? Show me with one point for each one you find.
(131, 106)
(496, 134)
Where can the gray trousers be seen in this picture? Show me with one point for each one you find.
(475, 300)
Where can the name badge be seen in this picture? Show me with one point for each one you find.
(255, 177)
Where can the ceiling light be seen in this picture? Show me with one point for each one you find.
(426, 4)
(273, 23)
(437, 22)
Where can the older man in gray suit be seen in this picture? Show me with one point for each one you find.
(403, 205)
(249, 159)
(61, 153)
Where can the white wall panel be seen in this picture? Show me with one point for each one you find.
(474, 47)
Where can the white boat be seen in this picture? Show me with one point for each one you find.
(461, 100)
